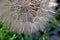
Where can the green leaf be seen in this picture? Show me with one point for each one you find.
(53, 20)
(12, 38)
(58, 12)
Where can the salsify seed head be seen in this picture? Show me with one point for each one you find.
(26, 15)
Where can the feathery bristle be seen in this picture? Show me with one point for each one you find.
(26, 15)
